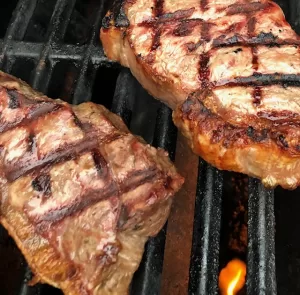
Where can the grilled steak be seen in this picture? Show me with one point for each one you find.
(80, 194)
(238, 61)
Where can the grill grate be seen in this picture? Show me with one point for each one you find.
(204, 269)
(261, 253)
(68, 48)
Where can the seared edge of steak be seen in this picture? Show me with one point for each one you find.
(116, 17)
(271, 154)
(77, 190)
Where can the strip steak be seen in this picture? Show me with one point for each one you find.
(230, 70)
(80, 194)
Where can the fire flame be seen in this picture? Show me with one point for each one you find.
(232, 277)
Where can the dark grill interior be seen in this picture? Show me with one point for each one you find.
(54, 46)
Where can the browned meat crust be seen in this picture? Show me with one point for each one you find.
(271, 153)
(239, 59)
(80, 195)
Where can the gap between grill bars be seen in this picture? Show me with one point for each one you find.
(202, 269)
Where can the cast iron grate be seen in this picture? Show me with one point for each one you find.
(54, 46)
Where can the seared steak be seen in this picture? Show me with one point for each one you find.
(239, 61)
(80, 194)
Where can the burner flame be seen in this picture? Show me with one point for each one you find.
(232, 277)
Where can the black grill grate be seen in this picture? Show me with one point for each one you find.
(54, 46)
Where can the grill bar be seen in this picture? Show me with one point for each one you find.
(180, 224)
(147, 279)
(165, 134)
(17, 28)
(294, 13)
(261, 276)
(205, 250)
(28, 290)
(20, 20)
(83, 89)
(124, 89)
(58, 24)
(57, 52)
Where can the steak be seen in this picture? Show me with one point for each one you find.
(80, 194)
(230, 71)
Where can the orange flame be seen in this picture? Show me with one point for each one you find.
(232, 277)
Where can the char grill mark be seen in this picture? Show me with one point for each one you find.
(203, 4)
(266, 39)
(42, 184)
(100, 163)
(123, 217)
(254, 59)
(77, 121)
(138, 178)
(177, 15)
(29, 164)
(22, 110)
(58, 214)
(258, 79)
(93, 196)
(280, 117)
(42, 109)
(14, 102)
(204, 71)
(159, 8)
(35, 112)
(169, 18)
(257, 95)
(185, 28)
(90, 198)
(158, 11)
(246, 8)
(32, 143)
(156, 39)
